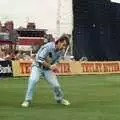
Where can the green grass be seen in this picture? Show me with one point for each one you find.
(92, 97)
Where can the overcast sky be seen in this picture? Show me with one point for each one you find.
(116, 1)
(42, 12)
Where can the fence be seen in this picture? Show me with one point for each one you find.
(23, 68)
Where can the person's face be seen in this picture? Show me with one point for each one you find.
(62, 45)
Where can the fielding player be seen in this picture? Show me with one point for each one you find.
(45, 64)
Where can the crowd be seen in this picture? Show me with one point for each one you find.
(22, 55)
(15, 55)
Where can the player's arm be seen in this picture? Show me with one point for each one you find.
(59, 58)
(46, 64)
(41, 57)
(54, 64)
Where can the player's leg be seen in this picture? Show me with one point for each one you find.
(53, 81)
(34, 77)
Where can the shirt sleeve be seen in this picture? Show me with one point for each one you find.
(42, 54)
(58, 60)
(61, 55)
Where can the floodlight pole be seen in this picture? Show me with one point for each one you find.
(58, 16)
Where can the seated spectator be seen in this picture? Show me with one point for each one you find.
(2, 55)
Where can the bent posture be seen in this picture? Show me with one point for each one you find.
(45, 64)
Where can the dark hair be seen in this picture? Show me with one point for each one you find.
(65, 37)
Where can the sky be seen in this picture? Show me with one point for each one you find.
(118, 1)
(43, 12)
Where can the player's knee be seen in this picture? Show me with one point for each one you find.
(33, 79)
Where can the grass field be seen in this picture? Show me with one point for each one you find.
(92, 97)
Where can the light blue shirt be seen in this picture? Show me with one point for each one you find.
(48, 50)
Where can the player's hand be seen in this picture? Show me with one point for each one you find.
(54, 68)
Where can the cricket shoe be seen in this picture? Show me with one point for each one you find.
(26, 103)
(64, 102)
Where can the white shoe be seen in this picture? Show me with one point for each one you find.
(65, 102)
(25, 104)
